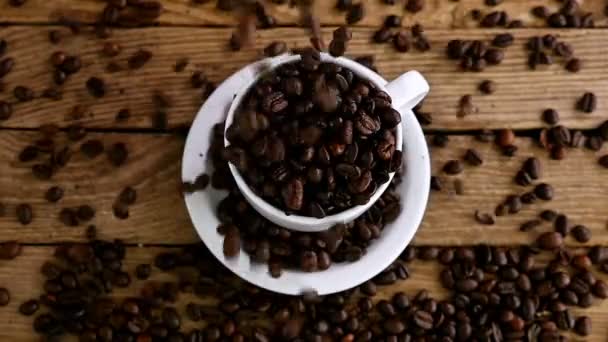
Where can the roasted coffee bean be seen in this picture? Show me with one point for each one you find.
(587, 103)
(96, 87)
(401, 41)
(529, 225)
(54, 194)
(494, 56)
(503, 40)
(582, 326)
(392, 21)
(561, 224)
(6, 65)
(603, 161)
(6, 110)
(139, 59)
(68, 217)
(453, 167)
(505, 138)
(71, 65)
(513, 204)
(85, 213)
(355, 13)
(594, 143)
(142, 271)
(23, 94)
(473, 157)
(92, 148)
(24, 213)
(10, 250)
(466, 106)
(550, 116)
(5, 297)
(574, 65)
(484, 218)
(117, 154)
(550, 240)
(29, 307)
(232, 242)
(487, 87)
(581, 233)
(544, 191)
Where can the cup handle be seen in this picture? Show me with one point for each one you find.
(407, 90)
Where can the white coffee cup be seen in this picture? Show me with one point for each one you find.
(413, 189)
(406, 91)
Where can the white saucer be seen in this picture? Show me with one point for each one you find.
(202, 205)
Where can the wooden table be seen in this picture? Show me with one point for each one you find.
(159, 220)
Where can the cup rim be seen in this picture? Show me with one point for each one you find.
(269, 211)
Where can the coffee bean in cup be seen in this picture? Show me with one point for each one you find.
(313, 138)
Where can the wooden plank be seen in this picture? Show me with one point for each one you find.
(518, 102)
(24, 281)
(436, 14)
(153, 170)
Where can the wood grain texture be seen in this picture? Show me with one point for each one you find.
(520, 97)
(436, 13)
(159, 216)
(152, 168)
(22, 278)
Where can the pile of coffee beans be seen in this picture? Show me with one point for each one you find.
(496, 293)
(543, 49)
(243, 228)
(475, 55)
(313, 138)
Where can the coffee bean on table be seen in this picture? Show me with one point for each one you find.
(603, 161)
(6, 109)
(54, 194)
(574, 65)
(484, 218)
(487, 87)
(23, 94)
(582, 326)
(24, 213)
(96, 87)
(355, 13)
(142, 271)
(401, 41)
(529, 225)
(503, 40)
(453, 167)
(5, 297)
(117, 154)
(10, 250)
(128, 196)
(587, 103)
(473, 157)
(92, 148)
(505, 138)
(550, 116)
(6, 65)
(440, 140)
(85, 212)
(544, 191)
(581, 233)
(68, 217)
(29, 307)
(550, 240)
(139, 59)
